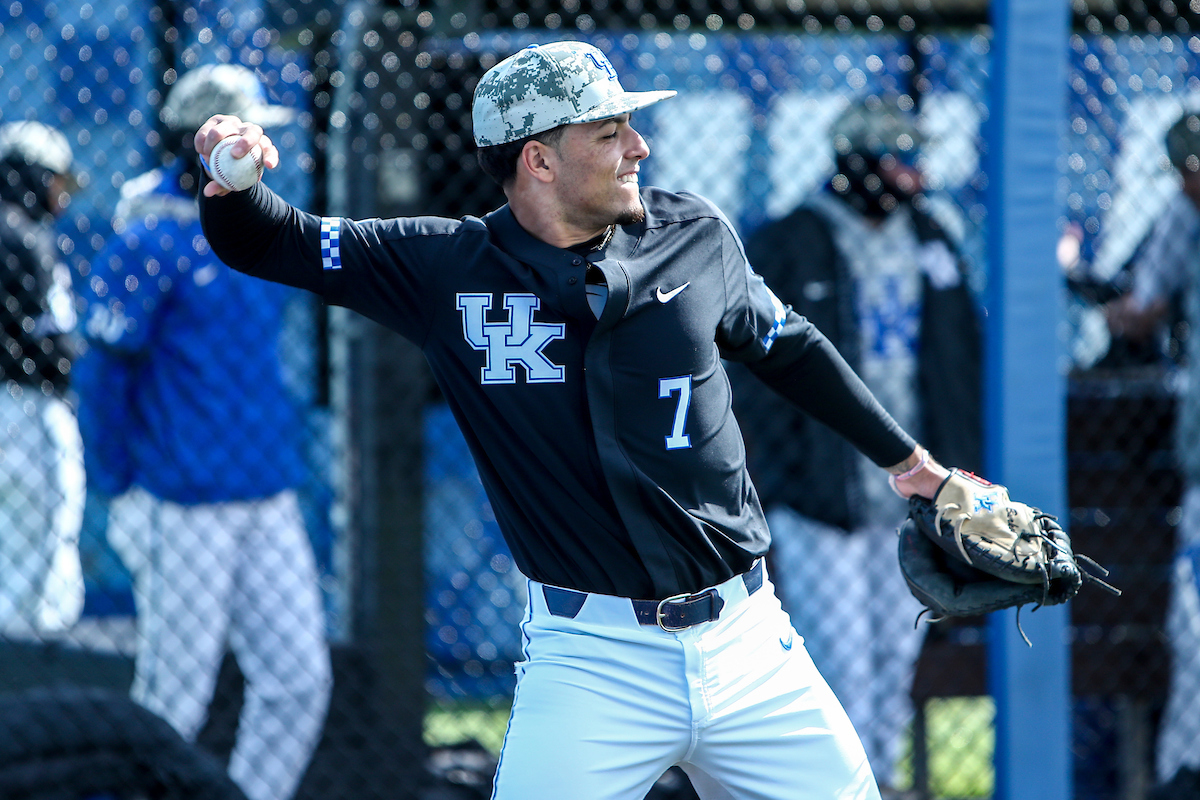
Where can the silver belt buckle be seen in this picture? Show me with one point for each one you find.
(658, 614)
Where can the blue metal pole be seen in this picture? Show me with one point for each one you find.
(1026, 388)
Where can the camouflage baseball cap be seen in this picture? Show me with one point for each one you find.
(547, 85)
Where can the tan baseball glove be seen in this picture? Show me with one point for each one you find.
(973, 550)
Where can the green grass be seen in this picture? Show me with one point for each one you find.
(454, 723)
(962, 741)
(961, 746)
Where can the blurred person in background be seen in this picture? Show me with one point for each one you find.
(873, 271)
(1163, 273)
(189, 427)
(41, 472)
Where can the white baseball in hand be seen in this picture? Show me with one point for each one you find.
(231, 172)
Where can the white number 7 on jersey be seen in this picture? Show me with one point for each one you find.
(667, 387)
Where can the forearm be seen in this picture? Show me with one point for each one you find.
(259, 233)
(808, 371)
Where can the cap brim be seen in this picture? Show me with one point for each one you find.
(270, 116)
(623, 104)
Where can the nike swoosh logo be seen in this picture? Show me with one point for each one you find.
(786, 643)
(666, 297)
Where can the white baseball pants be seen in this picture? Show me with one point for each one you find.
(41, 511)
(605, 705)
(241, 574)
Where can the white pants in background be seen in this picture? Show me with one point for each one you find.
(848, 599)
(240, 574)
(1179, 730)
(41, 511)
(604, 705)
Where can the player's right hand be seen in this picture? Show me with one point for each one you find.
(1131, 319)
(221, 126)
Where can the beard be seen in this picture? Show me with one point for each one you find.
(632, 216)
(590, 212)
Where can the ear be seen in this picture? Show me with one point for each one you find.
(539, 161)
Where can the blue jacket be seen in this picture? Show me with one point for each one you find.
(181, 391)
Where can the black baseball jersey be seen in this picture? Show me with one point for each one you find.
(35, 349)
(607, 447)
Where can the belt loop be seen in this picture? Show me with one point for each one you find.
(563, 602)
(753, 577)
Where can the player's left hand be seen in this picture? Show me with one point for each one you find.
(973, 550)
(222, 126)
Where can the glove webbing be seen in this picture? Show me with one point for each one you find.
(1087, 575)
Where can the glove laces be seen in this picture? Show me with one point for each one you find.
(1089, 570)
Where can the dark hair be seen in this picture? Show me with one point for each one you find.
(1183, 143)
(499, 161)
(26, 185)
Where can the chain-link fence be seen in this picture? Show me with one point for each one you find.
(281, 480)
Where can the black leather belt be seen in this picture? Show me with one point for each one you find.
(676, 613)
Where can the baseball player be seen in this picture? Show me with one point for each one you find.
(41, 469)
(1164, 269)
(882, 280)
(578, 334)
(187, 423)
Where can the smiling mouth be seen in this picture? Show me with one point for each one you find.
(630, 178)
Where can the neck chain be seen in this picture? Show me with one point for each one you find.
(608, 234)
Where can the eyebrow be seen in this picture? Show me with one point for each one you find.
(620, 119)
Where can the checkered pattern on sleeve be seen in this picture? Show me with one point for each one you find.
(331, 248)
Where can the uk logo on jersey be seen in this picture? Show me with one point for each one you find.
(520, 340)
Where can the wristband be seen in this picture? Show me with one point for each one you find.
(894, 479)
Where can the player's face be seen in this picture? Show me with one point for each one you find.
(59, 194)
(599, 173)
(903, 179)
(1191, 186)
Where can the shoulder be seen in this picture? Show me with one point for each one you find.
(806, 231)
(154, 195)
(1181, 212)
(15, 223)
(22, 235)
(806, 217)
(933, 221)
(665, 208)
(688, 214)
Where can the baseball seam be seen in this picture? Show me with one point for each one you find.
(219, 173)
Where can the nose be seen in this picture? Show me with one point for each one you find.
(638, 149)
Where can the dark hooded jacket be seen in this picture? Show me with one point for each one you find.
(798, 462)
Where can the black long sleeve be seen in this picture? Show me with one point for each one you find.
(807, 369)
(259, 233)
